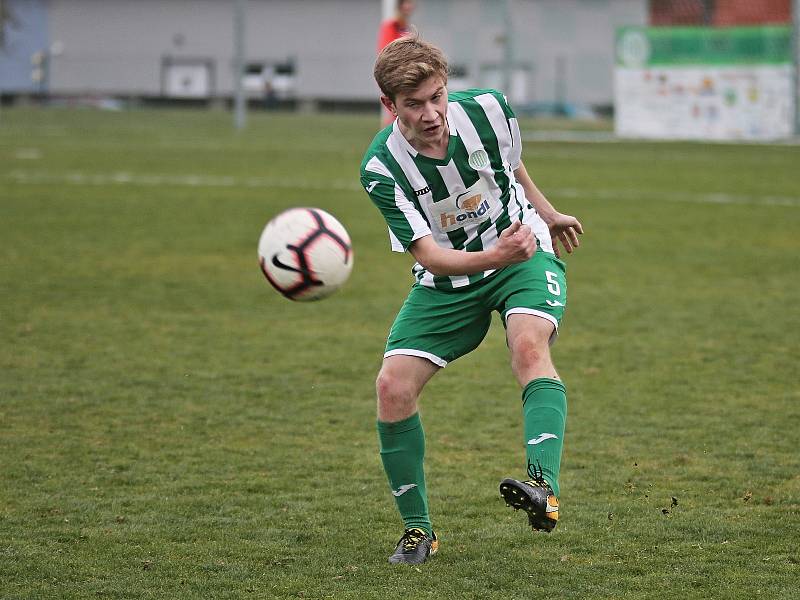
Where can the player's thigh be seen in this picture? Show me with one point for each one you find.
(528, 341)
(399, 385)
(537, 287)
(530, 329)
(439, 325)
(403, 376)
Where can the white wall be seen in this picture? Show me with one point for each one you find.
(578, 32)
(116, 46)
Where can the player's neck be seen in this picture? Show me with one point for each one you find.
(433, 148)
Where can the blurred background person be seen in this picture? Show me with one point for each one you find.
(391, 29)
(398, 25)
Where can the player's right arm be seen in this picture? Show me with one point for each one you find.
(516, 244)
(409, 231)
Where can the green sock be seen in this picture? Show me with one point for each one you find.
(402, 452)
(544, 405)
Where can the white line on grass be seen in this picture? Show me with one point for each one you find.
(125, 178)
(609, 137)
(677, 196)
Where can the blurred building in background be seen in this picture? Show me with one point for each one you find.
(307, 51)
(24, 45)
(547, 55)
(720, 13)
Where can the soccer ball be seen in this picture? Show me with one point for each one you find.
(305, 253)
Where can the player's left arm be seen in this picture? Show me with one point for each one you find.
(564, 228)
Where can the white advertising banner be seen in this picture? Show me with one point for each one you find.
(704, 84)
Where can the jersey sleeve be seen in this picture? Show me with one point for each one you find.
(515, 155)
(507, 110)
(405, 222)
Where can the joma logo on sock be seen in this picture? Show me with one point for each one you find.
(542, 437)
(403, 489)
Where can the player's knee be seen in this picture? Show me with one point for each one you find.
(392, 388)
(397, 399)
(530, 351)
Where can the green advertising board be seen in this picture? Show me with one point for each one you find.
(661, 46)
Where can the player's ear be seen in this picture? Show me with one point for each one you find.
(387, 102)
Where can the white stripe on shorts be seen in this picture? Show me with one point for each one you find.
(439, 362)
(536, 313)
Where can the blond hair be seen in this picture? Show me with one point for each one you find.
(404, 64)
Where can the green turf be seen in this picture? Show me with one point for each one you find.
(171, 427)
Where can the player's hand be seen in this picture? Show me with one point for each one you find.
(565, 228)
(516, 244)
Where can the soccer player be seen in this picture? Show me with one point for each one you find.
(392, 29)
(397, 26)
(447, 177)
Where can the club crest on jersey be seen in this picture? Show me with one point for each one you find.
(479, 159)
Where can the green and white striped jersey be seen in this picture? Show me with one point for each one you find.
(464, 200)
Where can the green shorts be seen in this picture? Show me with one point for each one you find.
(442, 325)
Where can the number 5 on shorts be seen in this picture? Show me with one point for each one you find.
(552, 283)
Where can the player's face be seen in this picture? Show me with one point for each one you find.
(423, 113)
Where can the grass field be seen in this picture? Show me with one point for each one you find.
(171, 427)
